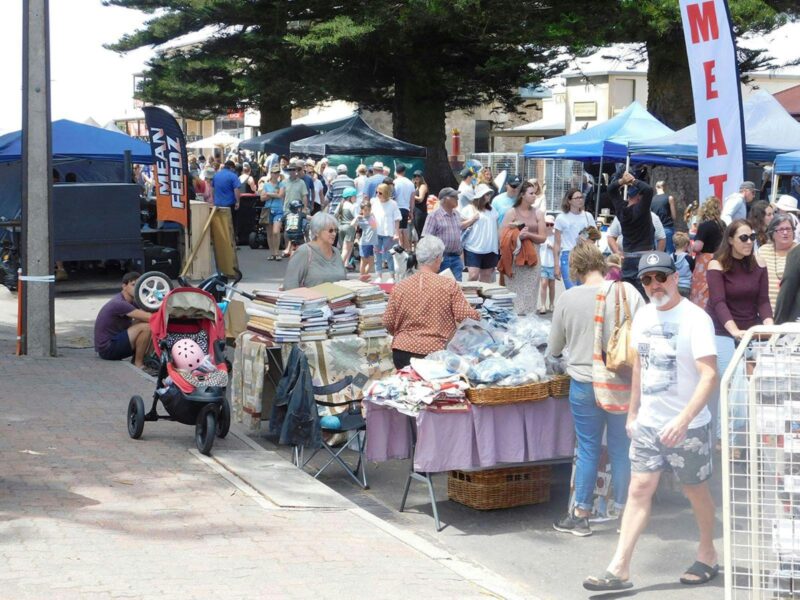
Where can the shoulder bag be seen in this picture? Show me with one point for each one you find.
(619, 355)
(612, 390)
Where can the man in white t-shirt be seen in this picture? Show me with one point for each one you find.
(403, 190)
(674, 373)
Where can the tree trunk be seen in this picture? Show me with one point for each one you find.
(419, 118)
(669, 86)
(274, 115)
(669, 99)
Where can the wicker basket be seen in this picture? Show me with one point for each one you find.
(500, 488)
(531, 392)
(559, 386)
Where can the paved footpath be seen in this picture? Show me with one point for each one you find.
(86, 512)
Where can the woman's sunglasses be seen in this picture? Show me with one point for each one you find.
(648, 279)
(551, 224)
(747, 238)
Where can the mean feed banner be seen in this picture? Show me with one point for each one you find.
(717, 96)
(171, 169)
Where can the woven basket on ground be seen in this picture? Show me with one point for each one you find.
(500, 488)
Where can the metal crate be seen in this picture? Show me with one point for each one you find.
(760, 396)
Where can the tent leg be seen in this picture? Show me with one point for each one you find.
(775, 180)
(599, 184)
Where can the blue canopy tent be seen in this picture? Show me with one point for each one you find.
(769, 131)
(787, 164)
(76, 140)
(96, 155)
(608, 140)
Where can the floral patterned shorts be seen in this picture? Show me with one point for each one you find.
(690, 461)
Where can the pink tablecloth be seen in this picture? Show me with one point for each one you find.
(484, 437)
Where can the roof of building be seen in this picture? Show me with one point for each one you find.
(790, 100)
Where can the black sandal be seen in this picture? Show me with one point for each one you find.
(608, 582)
(704, 572)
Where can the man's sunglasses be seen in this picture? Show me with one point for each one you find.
(648, 279)
(551, 224)
(747, 238)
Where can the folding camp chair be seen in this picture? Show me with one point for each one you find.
(350, 423)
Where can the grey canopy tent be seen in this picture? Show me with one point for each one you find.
(356, 138)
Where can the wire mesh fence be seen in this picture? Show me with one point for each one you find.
(761, 466)
(556, 175)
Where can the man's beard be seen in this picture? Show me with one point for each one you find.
(660, 300)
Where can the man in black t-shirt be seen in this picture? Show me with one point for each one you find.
(633, 211)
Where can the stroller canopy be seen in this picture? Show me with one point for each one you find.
(192, 304)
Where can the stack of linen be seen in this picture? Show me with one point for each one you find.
(343, 319)
(274, 317)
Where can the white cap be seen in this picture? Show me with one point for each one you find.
(787, 203)
(482, 190)
(377, 165)
(341, 169)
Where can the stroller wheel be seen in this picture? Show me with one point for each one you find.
(205, 429)
(224, 422)
(253, 240)
(150, 290)
(135, 417)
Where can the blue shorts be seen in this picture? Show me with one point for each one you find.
(548, 273)
(366, 251)
(118, 348)
(481, 261)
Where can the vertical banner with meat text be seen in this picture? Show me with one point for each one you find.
(717, 96)
(171, 169)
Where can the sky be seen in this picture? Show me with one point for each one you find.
(86, 80)
(89, 81)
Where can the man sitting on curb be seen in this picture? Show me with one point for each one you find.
(122, 330)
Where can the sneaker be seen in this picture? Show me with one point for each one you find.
(572, 524)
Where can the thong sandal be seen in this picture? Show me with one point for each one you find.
(702, 571)
(608, 582)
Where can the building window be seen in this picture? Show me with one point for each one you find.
(482, 129)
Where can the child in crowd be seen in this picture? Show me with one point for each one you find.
(613, 268)
(547, 260)
(684, 263)
(295, 224)
(369, 235)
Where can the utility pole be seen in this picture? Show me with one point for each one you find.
(37, 182)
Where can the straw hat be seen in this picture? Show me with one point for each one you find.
(787, 203)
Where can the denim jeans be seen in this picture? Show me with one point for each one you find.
(670, 247)
(382, 247)
(454, 263)
(590, 422)
(564, 262)
(725, 349)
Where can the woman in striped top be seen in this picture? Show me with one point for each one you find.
(781, 240)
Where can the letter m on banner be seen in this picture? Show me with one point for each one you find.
(171, 166)
(717, 96)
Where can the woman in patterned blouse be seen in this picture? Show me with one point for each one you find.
(425, 309)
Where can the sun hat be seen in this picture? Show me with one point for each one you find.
(349, 192)
(787, 203)
(377, 165)
(482, 190)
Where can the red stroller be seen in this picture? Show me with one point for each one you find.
(189, 339)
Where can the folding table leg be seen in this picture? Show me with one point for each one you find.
(422, 477)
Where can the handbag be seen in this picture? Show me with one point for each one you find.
(619, 355)
(612, 391)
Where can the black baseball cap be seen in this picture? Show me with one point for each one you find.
(514, 181)
(656, 261)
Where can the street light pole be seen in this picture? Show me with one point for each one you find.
(37, 183)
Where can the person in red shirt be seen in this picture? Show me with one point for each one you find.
(425, 309)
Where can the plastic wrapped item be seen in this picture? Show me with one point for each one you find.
(493, 369)
(532, 329)
(453, 362)
(470, 338)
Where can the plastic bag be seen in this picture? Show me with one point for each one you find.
(493, 369)
(470, 338)
(532, 329)
(453, 362)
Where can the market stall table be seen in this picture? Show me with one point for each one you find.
(484, 437)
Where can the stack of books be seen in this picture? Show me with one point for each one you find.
(371, 303)
(498, 297)
(314, 312)
(343, 319)
(472, 291)
(275, 318)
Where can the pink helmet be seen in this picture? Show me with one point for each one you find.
(187, 354)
